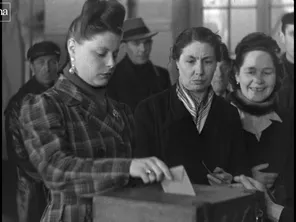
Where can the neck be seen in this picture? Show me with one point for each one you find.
(198, 96)
(290, 58)
(220, 93)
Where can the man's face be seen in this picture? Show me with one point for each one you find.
(45, 69)
(288, 39)
(139, 50)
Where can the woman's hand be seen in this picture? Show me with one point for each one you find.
(149, 169)
(267, 179)
(273, 210)
(219, 177)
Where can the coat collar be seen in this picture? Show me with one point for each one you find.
(177, 111)
(110, 120)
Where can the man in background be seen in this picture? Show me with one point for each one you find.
(220, 81)
(136, 77)
(31, 197)
(286, 93)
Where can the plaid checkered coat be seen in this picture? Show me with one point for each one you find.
(78, 150)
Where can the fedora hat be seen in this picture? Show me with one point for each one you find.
(135, 29)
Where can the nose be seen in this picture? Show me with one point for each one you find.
(111, 62)
(141, 47)
(258, 79)
(198, 68)
(46, 66)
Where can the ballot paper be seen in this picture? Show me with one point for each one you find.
(180, 183)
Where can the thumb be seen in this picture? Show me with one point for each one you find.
(260, 167)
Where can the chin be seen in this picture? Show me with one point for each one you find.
(101, 83)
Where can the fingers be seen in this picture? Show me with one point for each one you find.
(249, 183)
(144, 176)
(165, 170)
(245, 182)
(260, 167)
(149, 169)
(213, 180)
(218, 170)
(156, 170)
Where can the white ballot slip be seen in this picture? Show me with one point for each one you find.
(180, 183)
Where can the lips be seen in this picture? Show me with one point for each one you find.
(257, 89)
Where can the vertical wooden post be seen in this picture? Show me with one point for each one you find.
(263, 16)
(180, 21)
(132, 8)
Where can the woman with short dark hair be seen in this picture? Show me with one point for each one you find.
(188, 124)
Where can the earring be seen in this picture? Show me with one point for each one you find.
(72, 69)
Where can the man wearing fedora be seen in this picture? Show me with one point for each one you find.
(136, 77)
(31, 194)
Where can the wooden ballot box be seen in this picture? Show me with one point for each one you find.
(150, 203)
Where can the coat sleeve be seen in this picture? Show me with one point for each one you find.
(238, 158)
(45, 138)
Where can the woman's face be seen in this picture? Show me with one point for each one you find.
(197, 65)
(257, 76)
(94, 59)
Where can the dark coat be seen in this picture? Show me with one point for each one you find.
(131, 83)
(31, 193)
(274, 144)
(286, 92)
(165, 129)
(79, 149)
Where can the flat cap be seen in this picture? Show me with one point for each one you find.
(42, 49)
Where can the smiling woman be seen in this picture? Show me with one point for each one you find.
(267, 126)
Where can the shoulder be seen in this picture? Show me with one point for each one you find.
(224, 105)
(162, 70)
(16, 100)
(35, 106)
(156, 105)
(121, 107)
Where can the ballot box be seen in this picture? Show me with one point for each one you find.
(150, 203)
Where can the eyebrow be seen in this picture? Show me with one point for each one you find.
(206, 57)
(252, 68)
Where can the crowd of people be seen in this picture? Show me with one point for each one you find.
(76, 131)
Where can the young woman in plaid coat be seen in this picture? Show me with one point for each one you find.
(79, 140)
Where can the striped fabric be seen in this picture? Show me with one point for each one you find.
(198, 111)
(79, 150)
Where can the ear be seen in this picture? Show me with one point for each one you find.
(282, 37)
(177, 65)
(32, 68)
(237, 77)
(71, 44)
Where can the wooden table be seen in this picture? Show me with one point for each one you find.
(150, 203)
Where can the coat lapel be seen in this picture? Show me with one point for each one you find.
(110, 121)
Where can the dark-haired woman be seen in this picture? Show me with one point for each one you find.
(79, 140)
(268, 128)
(188, 124)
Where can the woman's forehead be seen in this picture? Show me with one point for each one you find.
(198, 49)
(103, 41)
(257, 58)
